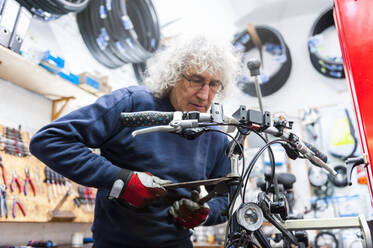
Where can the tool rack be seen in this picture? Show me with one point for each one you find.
(38, 208)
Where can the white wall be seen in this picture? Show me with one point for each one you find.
(218, 18)
(32, 111)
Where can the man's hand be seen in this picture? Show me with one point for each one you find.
(142, 187)
(189, 213)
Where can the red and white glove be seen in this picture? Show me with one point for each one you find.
(188, 213)
(140, 188)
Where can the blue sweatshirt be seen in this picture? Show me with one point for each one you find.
(64, 146)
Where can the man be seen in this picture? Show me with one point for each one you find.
(186, 76)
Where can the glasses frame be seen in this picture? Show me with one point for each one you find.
(220, 87)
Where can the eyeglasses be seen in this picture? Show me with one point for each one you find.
(197, 82)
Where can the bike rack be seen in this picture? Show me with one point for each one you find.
(332, 223)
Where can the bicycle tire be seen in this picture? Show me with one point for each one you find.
(69, 6)
(325, 233)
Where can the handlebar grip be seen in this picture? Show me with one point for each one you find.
(146, 118)
(317, 152)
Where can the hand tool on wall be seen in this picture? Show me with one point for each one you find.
(3, 171)
(15, 203)
(90, 196)
(57, 214)
(13, 133)
(49, 176)
(48, 182)
(77, 201)
(13, 142)
(38, 183)
(57, 178)
(28, 180)
(15, 180)
(83, 197)
(54, 182)
(62, 181)
(86, 196)
(3, 202)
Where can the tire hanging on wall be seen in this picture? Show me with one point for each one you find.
(49, 10)
(328, 66)
(119, 32)
(276, 46)
(139, 70)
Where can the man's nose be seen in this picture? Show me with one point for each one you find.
(204, 92)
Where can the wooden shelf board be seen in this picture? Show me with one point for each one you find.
(17, 70)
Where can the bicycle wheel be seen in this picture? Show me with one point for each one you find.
(326, 239)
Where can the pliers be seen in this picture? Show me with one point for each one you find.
(3, 203)
(28, 180)
(15, 179)
(17, 202)
(3, 171)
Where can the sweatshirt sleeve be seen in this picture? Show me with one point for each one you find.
(219, 204)
(64, 144)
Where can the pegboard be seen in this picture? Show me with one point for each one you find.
(38, 208)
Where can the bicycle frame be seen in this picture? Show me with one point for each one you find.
(253, 213)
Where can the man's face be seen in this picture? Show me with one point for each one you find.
(194, 92)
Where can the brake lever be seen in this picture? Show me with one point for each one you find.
(176, 126)
(155, 129)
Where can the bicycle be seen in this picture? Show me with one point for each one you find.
(244, 223)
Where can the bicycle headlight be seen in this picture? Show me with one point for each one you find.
(250, 216)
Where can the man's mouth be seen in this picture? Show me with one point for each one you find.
(197, 107)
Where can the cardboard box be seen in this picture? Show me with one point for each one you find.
(105, 87)
(89, 82)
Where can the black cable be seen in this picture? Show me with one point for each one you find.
(53, 7)
(131, 34)
(84, 28)
(139, 69)
(254, 160)
(72, 6)
(352, 133)
(235, 194)
(122, 28)
(91, 32)
(49, 6)
(117, 42)
(272, 163)
(99, 33)
(38, 12)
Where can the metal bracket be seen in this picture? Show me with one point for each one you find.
(65, 100)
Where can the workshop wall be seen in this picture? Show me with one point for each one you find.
(219, 19)
(22, 107)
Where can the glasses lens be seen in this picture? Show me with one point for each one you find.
(215, 86)
(198, 83)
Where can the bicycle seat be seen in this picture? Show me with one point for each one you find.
(285, 179)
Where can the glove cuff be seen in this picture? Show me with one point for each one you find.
(125, 175)
(120, 184)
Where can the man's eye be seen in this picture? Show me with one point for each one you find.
(214, 84)
(197, 80)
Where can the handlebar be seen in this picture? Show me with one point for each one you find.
(146, 118)
(177, 121)
(310, 152)
(157, 118)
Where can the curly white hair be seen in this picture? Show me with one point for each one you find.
(197, 53)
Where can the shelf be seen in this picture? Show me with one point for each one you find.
(17, 70)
